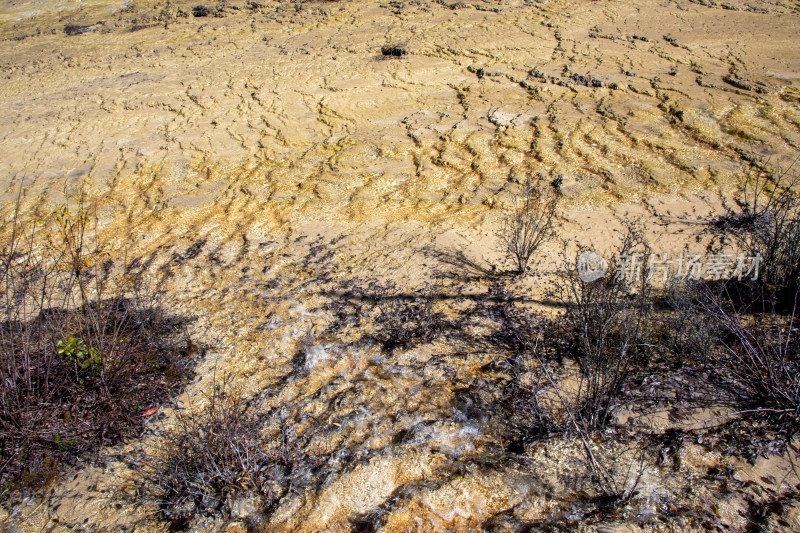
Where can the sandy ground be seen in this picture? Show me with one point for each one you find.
(278, 137)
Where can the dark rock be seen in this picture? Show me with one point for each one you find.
(393, 51)
(74, 29)
(586, 81)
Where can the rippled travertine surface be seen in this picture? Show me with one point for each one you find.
(278, 138)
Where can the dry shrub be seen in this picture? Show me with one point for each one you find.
(606, 331)
(401, 319)
(766, 224)
(218, 457)
(756, 350)
(84, 351)
(759, 356)
(527, 225)
(684, 329)
(609, 327)
(543, 395)
(208, 458)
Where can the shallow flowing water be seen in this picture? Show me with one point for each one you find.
(264, 161)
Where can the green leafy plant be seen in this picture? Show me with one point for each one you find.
(64, 444)
(75, 351)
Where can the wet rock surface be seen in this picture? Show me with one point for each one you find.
(265, 163)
